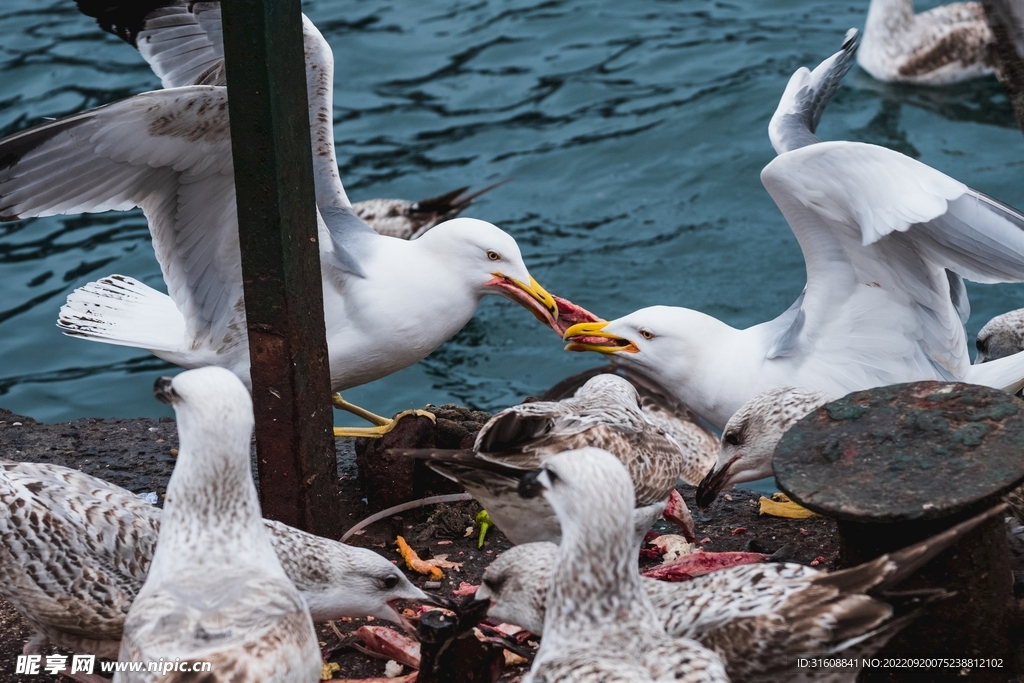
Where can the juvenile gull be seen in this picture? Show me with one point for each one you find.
(759, 618)
(750, 437)
(182, 42)
(75, 573)
(946, 44)
(600, 623)
(388, 303)
(698, 443)
(216, 591)
(604, 413)
(886, 241)
(1000, 337)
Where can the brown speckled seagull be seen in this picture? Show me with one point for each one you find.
(216, 591)
(750, 436)
(605, 413)
(947, 44)
(74, 573)
(600, 623)
(758, 618)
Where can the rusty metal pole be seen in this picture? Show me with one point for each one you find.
(265, 67)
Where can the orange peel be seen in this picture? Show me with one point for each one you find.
(413, 561)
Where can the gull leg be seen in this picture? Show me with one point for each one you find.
(383, 424)
(779, 505)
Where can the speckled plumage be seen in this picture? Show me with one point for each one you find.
(603, 413)
(408, 220)
(215, 590)
(600, 624)
(697, 442)
(759, 618)
(947, 44)
(750, 436)
(1001, 336)
(74, 572)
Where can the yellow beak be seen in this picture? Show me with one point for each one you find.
(538, 293)
(587, 336)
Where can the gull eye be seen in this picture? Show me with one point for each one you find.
(646, 334)
(390, 582)
(732, 438)
(493, 256)
(981, 345)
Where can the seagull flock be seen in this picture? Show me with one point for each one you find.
(575, 479)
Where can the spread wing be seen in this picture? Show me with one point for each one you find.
(168, 152)
(878, 232)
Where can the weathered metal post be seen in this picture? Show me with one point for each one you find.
(265, 67)
(898, 464)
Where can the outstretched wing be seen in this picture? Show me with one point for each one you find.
(879, 231)
(168, 152)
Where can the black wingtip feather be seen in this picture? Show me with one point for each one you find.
(123, 19)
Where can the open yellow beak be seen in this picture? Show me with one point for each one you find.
(592, 337)
(536, 292)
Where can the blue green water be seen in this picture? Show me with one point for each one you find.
(633, 134)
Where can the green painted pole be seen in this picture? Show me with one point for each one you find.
(265, 67)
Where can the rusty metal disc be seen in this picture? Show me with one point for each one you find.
(905, 452)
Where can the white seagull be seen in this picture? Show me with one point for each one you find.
(946, 44)
(74, 572)
(388, 303)
(886, 241)
(216, 591)
(183, 44)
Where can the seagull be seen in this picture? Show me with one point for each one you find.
(759, 618)
(388, 303)
(216, 591)
(74, 573)
(183, 44)
(750, 437)
(697, 441)
(1000, 337)
(600, 624)
(605, 413)
(886, 241)
(1006, 19)
(947, 44)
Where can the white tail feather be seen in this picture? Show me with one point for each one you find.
(121, 310)
(1003, 373)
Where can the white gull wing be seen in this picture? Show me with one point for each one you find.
(183, 45)
(806, 96)
(878, 231)
(168, 152)
(180, 40)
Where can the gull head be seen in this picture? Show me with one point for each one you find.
(357, 582)
(666, 341)
(213, 410)
(1001, 336)
(610, 389)
(590, 491)
(516, 585)
(488, 260)
(751, 435)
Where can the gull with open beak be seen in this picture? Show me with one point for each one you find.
(388, 302)
(887, 242)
